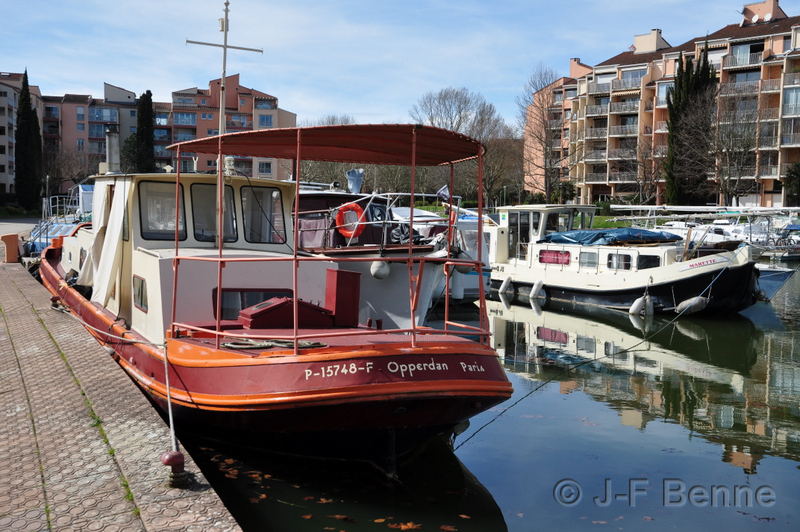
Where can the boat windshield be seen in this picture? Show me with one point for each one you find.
(262, 212)
(204, 206)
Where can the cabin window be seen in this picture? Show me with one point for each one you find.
(524, 234)
(140, 293)
(557, 222)
(619, 261)
(588, 259)
(262, 212)
(157, 211)
(520, 227)
(551, 256)
(204, 213)
(81, 258)
(236, 299)
(644, 262)
(585, 344)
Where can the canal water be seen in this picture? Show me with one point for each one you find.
(615, 424)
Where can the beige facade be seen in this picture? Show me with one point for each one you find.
(615, 115)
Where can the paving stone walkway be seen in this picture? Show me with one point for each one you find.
(79, 442)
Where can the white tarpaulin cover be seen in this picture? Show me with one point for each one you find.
(108, 261)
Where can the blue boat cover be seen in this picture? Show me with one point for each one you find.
(606, 237)
(792, 227)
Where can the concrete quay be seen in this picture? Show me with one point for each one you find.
(80, 444)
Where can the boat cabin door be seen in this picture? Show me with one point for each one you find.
(519, 233)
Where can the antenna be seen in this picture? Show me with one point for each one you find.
(223, 27)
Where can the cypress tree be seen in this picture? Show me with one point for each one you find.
(28, 146)
(685, 176)
(145, 156)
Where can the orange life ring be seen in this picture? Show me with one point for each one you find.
(340, 221)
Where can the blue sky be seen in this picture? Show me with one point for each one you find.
(371, 59)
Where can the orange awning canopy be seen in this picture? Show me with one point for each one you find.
(367, 144)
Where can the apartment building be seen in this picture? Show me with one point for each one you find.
(10, 88)
(76, 124)
(607, 124)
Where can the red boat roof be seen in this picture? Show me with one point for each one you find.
(354, 143)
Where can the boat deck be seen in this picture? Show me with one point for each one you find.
(80, 444)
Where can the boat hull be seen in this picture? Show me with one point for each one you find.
(369, 384)
(733, 289)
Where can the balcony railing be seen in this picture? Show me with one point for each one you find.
(622, 176)
(660, 150)
(624, 107)
(599, 88)
(596, 133)
(622, 153)
(596, 178)
(740, 87)
(769, 113)
(556, 143)
(594, 110)
(768, 170)
(766, 141)
(791, 79)
(770, 85)
(747, 171)
(623, 131)
(742, 60)
(790, 139)
(791, 109)
(662, 127)
(596, 155)
(625, 84)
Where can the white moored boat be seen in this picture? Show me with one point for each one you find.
(546, 252)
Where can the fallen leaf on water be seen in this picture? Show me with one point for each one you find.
(448, 528)
(341, 517)
(307, 516)
(323, 500)
(381, 520)
(464, 516)
(411, 525)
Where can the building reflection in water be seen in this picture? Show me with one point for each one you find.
(725, 380)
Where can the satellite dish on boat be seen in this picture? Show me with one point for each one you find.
(355, 178)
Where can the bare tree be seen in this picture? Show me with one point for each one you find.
(67, 165)
(323, 171)
(649, 170)
(541, 123)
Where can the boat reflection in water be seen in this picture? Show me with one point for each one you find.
(726, 381)
(430, 490)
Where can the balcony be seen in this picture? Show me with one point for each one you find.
(624, 107)
(747, 171)
(770, 85)
(791, 79)
(595, 110)
(555, 124)
(621, 177)
(660, 150)
(596, 178)
(791, 109)
(768, 171)
(769, 113)
(556, 144)
(730, 61)
(740, 87)
(596, 155)
(596, 133)
(599, 88)
(768, 141)
(626, 84)
(662, 127)
(790, 139)
(237, 124)
(623, 131)
(622, 153)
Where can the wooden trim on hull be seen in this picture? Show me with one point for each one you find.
(734, 290)
(232, 383)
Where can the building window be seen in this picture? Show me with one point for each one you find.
(265, 121)
(160, 134)
(97, 130)
(184, 119)
(103, 114)
(51, 111)
(133, 129)
(207, 116)
(2, 169)
(140, 293)
(2, 130)
(161, 119)
(242, 102)
(213, 132)
(80, 115)
(203, 101)
(80, 145)
(183, 100)
(265, 168)
(133, 112)
(211, 163)
(3, 94)
(80, 126)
